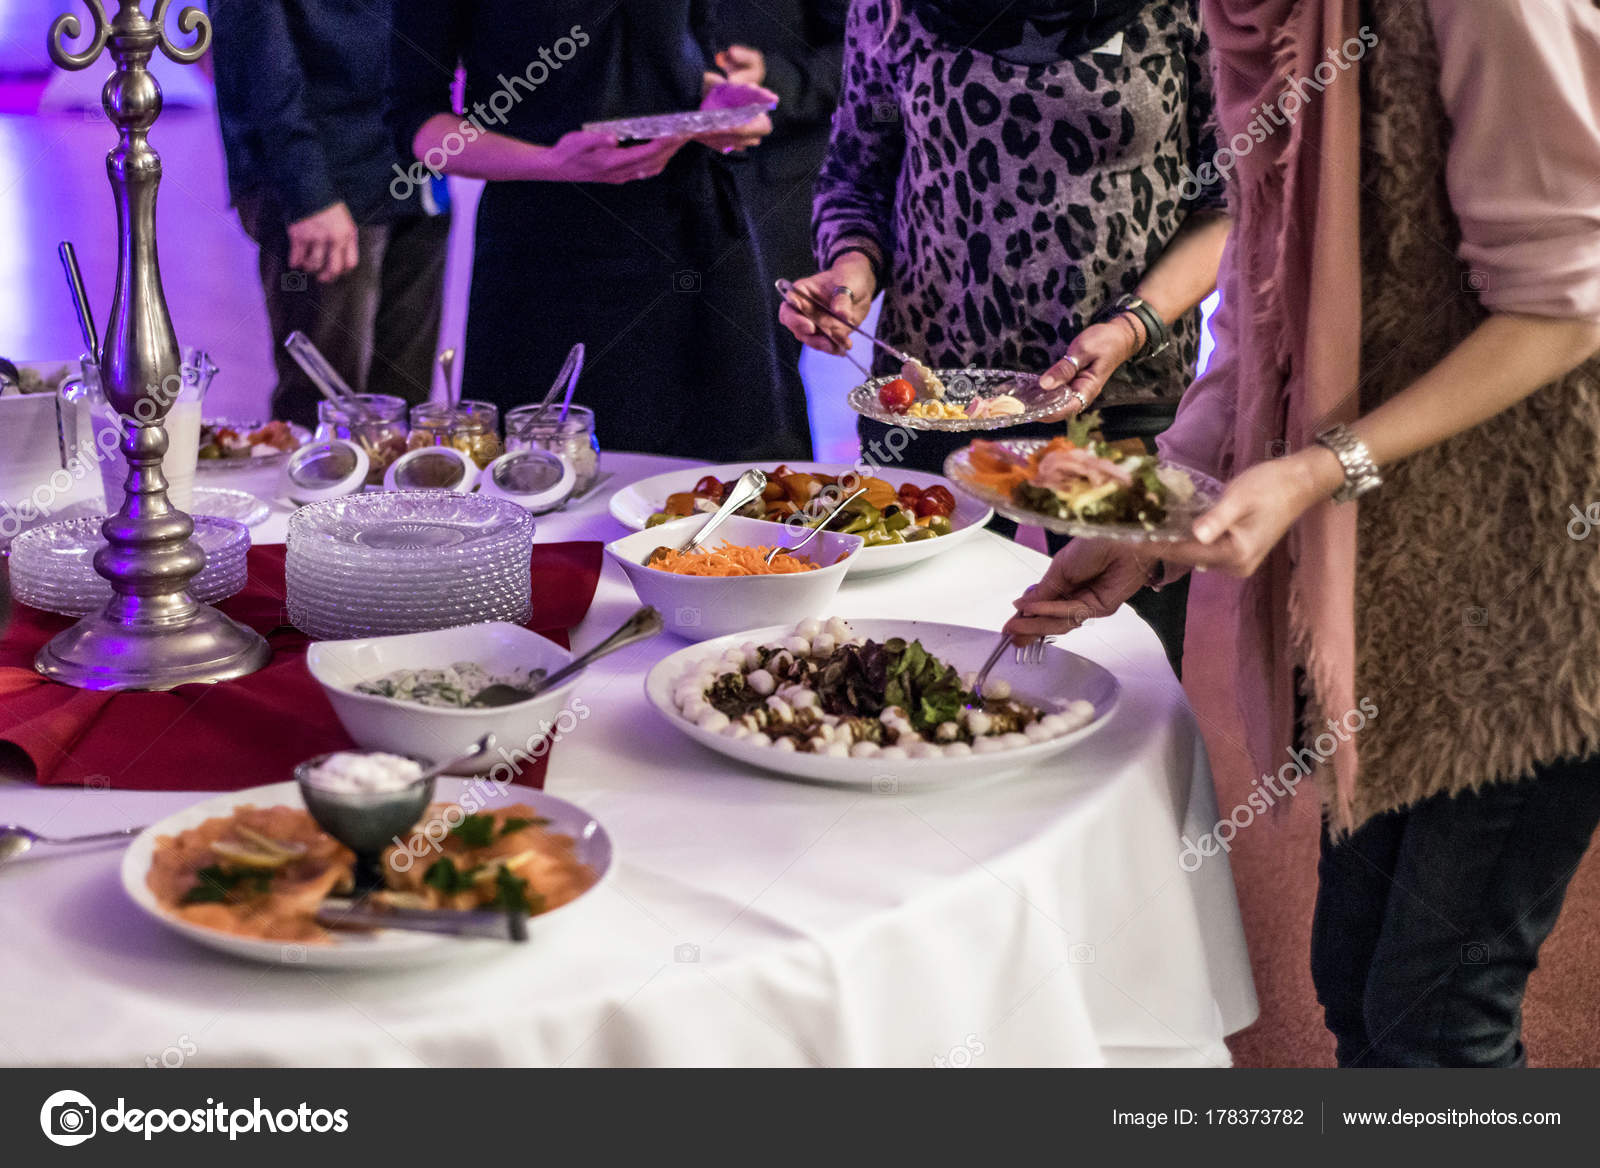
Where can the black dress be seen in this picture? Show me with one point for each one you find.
(660, 278)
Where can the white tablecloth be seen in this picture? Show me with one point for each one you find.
(752, 921)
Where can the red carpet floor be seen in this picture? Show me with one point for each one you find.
(1274, 868)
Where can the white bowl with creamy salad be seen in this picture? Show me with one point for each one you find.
(415, 694)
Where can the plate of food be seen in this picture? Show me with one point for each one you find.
(955, 400)
(246, 872)
(227, 445)
(1080, 484)
(647, 127)
(905, 517)
(879, 704)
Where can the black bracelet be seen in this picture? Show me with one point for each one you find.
(1156, 334)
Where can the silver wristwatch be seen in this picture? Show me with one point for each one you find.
(1360, 472)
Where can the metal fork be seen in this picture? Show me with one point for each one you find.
(1030, 654)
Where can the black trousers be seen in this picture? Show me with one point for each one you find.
(378, 324)
(1429, 920)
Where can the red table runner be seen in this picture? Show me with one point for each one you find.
(234, 734)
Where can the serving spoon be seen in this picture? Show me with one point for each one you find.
(641, 626)
(15, 839)
(747, 490)
(815, 531)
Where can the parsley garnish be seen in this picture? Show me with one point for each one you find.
(476, 831)
(216, 882)
(511, 893)
(448, 879)
(515, 824)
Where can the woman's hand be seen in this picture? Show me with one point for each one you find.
(743, 65)
(1256, 510)
(721, 93)
(1092, 357)
(847, 288)
(1088, 578)
(596, 158)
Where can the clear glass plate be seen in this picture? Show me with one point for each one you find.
(1177, 526)
(52, 567)
(963, 386)
(648, 126)
(408, 532)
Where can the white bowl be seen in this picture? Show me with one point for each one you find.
(378, 723)
(633, 505)
(697, 607)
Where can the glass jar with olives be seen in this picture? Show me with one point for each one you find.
(472, 427)
(573, 438)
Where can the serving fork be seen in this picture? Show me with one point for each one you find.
(1030, 654)
(16, 839)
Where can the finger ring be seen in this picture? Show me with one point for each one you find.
(840, 290)
(1083, 402)
(1077, 365)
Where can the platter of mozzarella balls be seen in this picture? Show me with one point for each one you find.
(882, 704)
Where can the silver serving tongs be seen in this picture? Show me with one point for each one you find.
(495, 924)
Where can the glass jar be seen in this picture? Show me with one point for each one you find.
(382, 436)
(472, 427)
(540, 428)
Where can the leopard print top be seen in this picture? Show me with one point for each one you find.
(1007, 204)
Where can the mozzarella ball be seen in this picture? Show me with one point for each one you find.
(891, 715)
(752, 654)
(780, 708)
(969, 678)
(802, 698)
(837, 750)
(1013, 740)
(838, 629)
(921, 749)
(696, 709)
(998, 688)
(864, 750)
(957, 750)
(784, 745)
(1052, 725)
(685, 694)
(761, 681)
(1037, 731)
(799, 646)
(713, 720)
(893, 752)
(823, 645)
(817, 745)
(978, 723)
(947, 732)
(1082, 710)
(759, 739)
(808, 628)
(987, 746)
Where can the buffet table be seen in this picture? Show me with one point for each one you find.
(750, 921)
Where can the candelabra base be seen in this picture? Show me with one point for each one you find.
(199, 645)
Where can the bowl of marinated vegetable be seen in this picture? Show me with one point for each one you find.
(904, 518)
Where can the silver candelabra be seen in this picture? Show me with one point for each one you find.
(152, 634)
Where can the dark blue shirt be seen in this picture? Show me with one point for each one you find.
(300, 94)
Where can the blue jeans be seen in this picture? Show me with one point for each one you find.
(1429, 919)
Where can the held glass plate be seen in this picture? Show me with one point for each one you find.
(1177, 526)
(962, 387)
(679, 125)
(301, 437)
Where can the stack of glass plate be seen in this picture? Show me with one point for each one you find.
(407, 562)
(52, 567)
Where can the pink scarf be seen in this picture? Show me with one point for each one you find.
(1297, 281)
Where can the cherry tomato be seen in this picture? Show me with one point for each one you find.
(710, 486)
(896, 396)
(936, 501)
